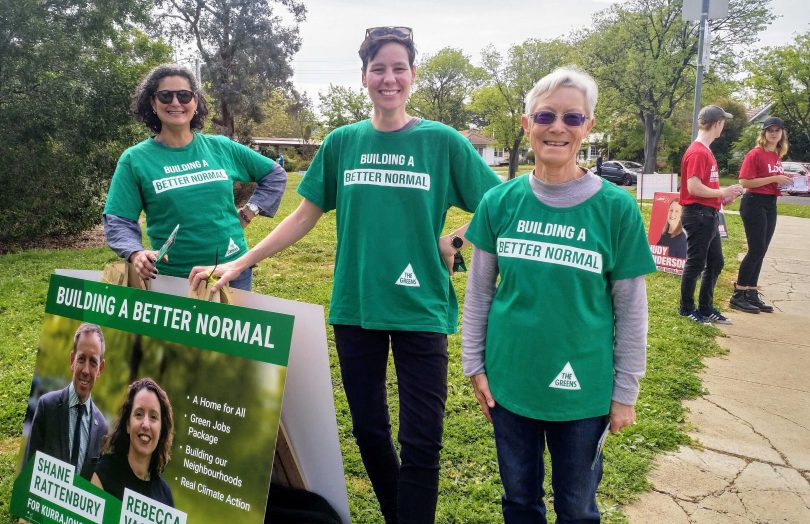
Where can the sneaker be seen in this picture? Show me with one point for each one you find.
(740, 302)
(695, 316)
(752, 295)
(715, 317)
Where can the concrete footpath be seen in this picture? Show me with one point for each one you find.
(754, 422)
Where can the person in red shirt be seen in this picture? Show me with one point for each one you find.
(761, 175)
(702, 196)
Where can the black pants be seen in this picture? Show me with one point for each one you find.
(704, 254)
(406, 492)
(758, 213)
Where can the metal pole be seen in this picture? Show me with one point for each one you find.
(704, 25)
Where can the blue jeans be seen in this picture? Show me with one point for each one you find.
(407, 492)
(244, 280)
(520, 442)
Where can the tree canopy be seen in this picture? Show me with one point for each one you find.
(342, 105)
(444, 82)
(643, 51)
(245, 45)
(66, 74)
(782, 75)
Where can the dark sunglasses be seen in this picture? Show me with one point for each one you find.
(165, 96)
(545, 118)
(405, 33)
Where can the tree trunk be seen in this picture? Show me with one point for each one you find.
(226, 119)
(513, 154)
(652, 134)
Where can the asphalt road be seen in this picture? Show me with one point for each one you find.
(801, 200)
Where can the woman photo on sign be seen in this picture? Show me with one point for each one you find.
(390, 180)
(180, 176)
(556, 347)
(673, 236)
(761, 175)
(139, 447)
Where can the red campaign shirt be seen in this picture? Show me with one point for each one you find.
(759, 163)
(698, 161)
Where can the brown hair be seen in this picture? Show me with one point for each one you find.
(781, 147)
(371, 46)
(118, 441)
(142, 97)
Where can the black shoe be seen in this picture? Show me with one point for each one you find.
(740, 301)
(752, 296)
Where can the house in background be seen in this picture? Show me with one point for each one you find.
(486, 147)
(591, 146)
(757, 115)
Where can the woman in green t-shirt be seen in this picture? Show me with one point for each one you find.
(390, 181)
(555, 349)
(181, 177)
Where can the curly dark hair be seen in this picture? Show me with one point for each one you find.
(117, 442)
(141, 105)
(371, 46)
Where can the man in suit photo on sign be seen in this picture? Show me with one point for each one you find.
(67, 425)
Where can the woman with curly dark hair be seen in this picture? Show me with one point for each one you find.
(183, 177)
(138, 449)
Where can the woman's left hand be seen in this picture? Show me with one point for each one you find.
(447, 251)
(621, 416)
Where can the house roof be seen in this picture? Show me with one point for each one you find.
(758, 114)
(476, 138)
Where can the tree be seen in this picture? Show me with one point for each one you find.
(66, 75)
(342, 105)
(245, 46)
(512, 77)
(782, 75)
(444, 81)
(643, 51)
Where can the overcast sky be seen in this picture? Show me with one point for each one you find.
(334, 29)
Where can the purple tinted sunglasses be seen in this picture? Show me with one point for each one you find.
(545, 118)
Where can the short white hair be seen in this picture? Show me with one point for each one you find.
(568, 76)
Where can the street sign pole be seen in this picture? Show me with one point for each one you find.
(704, 30)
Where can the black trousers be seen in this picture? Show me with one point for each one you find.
(704, 254)
(407, 492)
(758, 213)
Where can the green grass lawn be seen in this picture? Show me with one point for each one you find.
(470, 488)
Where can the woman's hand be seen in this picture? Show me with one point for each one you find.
(480, 386)
(447, 251)
(782, 180)
(621, 416)
(144, 263)
(225, 272)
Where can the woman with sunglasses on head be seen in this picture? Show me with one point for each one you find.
(390, 180)
(555, 350)
(182, 177)
(761, 175)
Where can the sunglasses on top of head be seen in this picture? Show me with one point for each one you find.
(165, 96)
(545, 118)
(405, 33)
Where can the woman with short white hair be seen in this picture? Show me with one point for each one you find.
(556, 350)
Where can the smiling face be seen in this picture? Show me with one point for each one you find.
(174, 114)
(556, 145)
(388, 78)
(144, 423)
(86, 363)
(674, 215)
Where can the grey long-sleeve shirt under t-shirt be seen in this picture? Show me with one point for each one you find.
(124, 235)
(629, 301)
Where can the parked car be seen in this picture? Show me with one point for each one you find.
(798, 169)
(621, 172)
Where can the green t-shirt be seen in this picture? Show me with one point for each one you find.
(549, 345)
(390, 192)
(191, 186)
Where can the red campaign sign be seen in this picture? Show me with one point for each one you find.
(666, 235)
